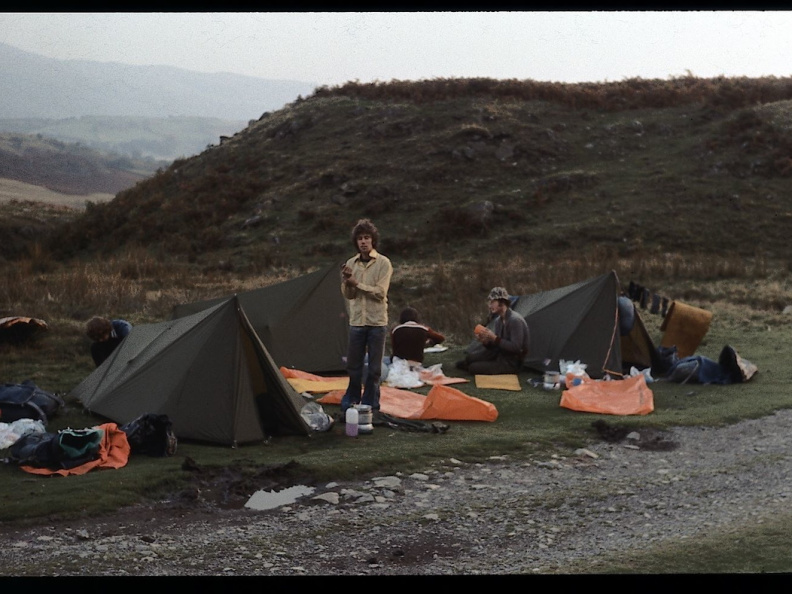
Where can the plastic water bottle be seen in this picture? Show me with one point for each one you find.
(352, 421)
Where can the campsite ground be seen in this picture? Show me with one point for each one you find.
(685, 500)
(692, 499)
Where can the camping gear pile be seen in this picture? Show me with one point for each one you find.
(26, 409)
(593, 323)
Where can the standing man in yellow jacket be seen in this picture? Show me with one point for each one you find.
(365, 279)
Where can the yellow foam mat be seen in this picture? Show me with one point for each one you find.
(508, 381)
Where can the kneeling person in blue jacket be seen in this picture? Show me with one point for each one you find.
(106, 336)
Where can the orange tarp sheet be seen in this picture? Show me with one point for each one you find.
(449, 404)
(630, 396)
(113, 453)
(393, 401)
(442, 403)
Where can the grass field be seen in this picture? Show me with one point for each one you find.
(530, 421)
(11, 190)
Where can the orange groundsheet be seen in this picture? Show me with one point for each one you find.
(630, 396)
(442, 403)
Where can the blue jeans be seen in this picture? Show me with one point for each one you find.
(364, 340)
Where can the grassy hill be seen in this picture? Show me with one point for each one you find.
(475, 169)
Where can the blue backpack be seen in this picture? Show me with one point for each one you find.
(27, 401)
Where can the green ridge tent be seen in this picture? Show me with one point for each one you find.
(303, 322)
(580, 322)
(209, 372)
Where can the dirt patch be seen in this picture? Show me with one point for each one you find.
(231, 487)
(644, 438)
(402, 553)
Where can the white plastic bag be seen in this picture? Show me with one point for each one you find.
(646, 372)
(576, 368)
(12, 432)
(401, 375)
(317, 419)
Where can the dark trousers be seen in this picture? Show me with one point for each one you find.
(364, 340)
(492, 362)
(102, 350)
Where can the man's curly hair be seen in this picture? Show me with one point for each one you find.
(98, 328)
(365, 227)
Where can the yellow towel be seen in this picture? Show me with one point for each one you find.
(313, 386)
(508, 381)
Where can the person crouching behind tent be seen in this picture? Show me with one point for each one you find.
(365, 279)
(410, 337)
(505, 346)
(106, 336)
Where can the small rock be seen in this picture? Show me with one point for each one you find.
(388, 482)
(431, 517)
(330, 497)
(585, 452)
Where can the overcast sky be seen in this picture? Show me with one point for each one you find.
(335, 47)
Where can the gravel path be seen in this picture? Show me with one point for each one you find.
(498, 517)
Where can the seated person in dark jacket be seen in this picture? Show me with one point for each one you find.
(505, 346)
(410, 337)
(106, 336)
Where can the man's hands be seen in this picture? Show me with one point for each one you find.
(486, 336)
(346, 276)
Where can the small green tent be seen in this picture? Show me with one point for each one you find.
(580, 322)
(209, 372)
(303, 322)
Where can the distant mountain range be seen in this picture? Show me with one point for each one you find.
(157, 112)
(38, 87)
